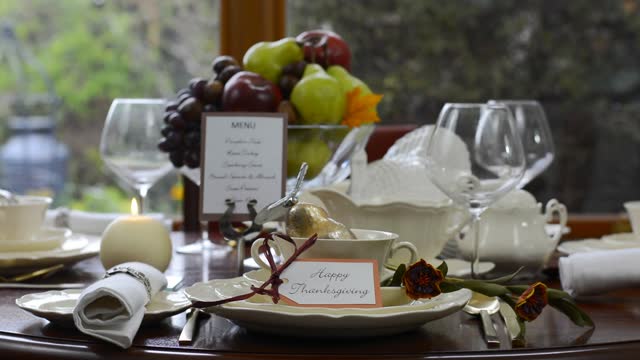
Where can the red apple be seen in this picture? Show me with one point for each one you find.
(250, 92)
(325, 48)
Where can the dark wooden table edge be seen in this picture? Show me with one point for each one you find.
(14, 346)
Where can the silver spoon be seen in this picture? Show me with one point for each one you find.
(485, 306)
(7, 197)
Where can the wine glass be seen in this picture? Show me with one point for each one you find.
(533, 128)
(475, 156)
(128, 145)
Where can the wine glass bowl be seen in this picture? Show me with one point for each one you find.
(485, 138)
(128, 144)
(537, 142)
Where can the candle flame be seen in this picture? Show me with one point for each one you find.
(134, 207)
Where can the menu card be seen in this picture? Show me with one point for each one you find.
(339, 283)
(243, 159)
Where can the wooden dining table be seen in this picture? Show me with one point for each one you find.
(458, 336)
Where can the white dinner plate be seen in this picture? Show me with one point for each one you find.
(76, 247)
(259, 314)
(57, 306)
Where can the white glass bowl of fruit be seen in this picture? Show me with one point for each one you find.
(330, 112)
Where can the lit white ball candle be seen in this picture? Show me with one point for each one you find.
(136, 238)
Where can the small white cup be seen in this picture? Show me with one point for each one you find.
(369, 244)
(23, 221)
(633, 209)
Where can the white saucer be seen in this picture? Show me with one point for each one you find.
(258, 313)
(609, 242)
(628, 239)
(47, 239)
(57, 306)
(456, 267)
(76, 247)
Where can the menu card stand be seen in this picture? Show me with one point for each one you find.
(230, 232)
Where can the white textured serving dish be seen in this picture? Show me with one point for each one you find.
(261, 315)
(427, 226)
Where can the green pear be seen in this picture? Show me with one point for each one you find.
(315, 152)
(318, 97)
(268, 58)
(347, 81)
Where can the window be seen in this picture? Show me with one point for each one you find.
(91, 52)
(578, 58)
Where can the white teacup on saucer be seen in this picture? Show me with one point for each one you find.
(23, 220)
(369, 244)
(46, 239)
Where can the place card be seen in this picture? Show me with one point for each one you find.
(243, 159)
(337, 283)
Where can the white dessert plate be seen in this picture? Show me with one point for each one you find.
(589, 245)
(46, 239)
(259, 314)
(76, 247)
(57, 305)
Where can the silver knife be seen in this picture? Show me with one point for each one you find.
(186, 336)
(513, 327)
(42, 286)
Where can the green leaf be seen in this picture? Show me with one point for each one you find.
(444, 269)
(447, 286)
(569, 308)
(484, 288)
(559, 294)
(396, 279)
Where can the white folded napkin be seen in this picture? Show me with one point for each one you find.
(597, 272)
(86, 222)
(112, 309)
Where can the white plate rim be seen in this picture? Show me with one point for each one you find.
(16, 262)
(52, 315)
(419, 306)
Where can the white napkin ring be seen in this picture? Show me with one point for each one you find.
(138, 275)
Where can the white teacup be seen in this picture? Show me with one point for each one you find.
(23, 221)
(633, 209)
(369, 244)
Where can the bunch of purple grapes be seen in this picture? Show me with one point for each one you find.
(183, 117)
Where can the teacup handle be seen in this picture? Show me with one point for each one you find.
(554, 206)
(405, 245)
(255, 252)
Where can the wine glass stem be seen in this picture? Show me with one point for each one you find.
(204, 227)
(142, 196)
(475, 256)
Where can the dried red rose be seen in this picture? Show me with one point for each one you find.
(531, 302)
(422, 280)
